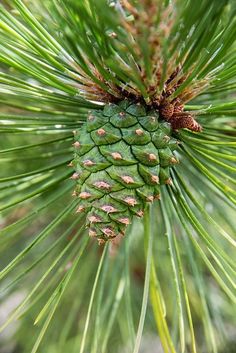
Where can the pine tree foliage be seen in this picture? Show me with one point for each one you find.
(173, 273)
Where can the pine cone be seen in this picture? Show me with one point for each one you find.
(122, 156)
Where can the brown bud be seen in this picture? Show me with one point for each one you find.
(185, 121)
(178, 109)
(167, 110)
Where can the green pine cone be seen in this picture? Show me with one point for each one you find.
(122, 156)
